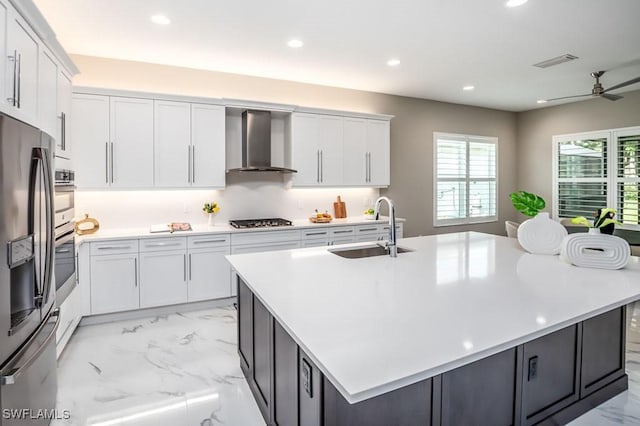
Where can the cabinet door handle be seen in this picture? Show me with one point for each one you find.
(184, 267)
(368, 229)
(222, 240)
(189, 266)
(106, 162)
(135, 266)
(162, 244)
(111, 162)
(193, 164)
(318, 166)
(63, 133)
(113, 247)
(315, 233)
(14, 58)
(19, 78)
(189, 163)
(345, 231)
(321, 165)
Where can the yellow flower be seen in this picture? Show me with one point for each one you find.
(212, 207)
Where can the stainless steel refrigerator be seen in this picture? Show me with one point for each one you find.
(28, 380)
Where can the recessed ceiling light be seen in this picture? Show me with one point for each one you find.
(295, 43)
(467, 88)
(515, 3)
(393, 62)
(542, 101)
(160, 19)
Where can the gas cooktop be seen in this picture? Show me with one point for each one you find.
(259, 223)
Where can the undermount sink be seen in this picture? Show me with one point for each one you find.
(368, 251)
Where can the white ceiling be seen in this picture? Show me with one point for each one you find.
(443, 45)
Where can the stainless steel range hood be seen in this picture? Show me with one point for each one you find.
(256, 143)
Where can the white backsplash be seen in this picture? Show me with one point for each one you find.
(246, 196)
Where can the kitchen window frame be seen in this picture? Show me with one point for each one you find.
(467, 220)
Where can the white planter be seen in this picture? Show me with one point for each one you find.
(210, 221)
(595, 250)
(541, 235)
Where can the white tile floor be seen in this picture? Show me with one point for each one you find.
(183, 369)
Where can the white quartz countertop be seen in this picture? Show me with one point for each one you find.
(376, 324)
(222, 228)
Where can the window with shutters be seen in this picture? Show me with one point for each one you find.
(465, 181)
(596, 170)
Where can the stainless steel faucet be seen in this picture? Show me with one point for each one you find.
(391, 244)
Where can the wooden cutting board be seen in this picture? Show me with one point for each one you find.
(339, 209)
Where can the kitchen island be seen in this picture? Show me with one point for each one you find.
(465, 329)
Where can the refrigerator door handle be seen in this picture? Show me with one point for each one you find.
(42, 155)
(10, 377)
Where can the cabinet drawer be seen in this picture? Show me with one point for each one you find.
(114, 247)
(341, 231)
(161, 244)
(264, 237)
(204, 241)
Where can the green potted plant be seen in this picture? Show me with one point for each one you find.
(603, 220)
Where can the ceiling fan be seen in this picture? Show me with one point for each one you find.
(599, 91)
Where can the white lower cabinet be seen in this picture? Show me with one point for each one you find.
(209, 273)
(114, 282)
(70, 316)
(163, 271)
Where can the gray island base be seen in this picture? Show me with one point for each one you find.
(551, 379)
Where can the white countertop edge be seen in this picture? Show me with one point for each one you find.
(115, 234)
(353, 398)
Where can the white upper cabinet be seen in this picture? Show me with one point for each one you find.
(90, 130)
(189, 145)
(208, 158)
(4, 13)
(64, 117)
(47, 94)
(333, 150)
(379, 152)
(131, 142)
(172, 144)
(366, 152)
(22, 67)
(317, 149)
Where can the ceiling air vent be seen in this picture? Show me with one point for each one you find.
(555, 61)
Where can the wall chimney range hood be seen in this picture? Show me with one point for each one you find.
(256, 143)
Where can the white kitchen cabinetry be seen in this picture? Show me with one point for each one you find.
(209, 273)
(47, 93)
(315, 237)
(90, 127)
(114, 276)
(172, 143)
(116, 135)
(131, 142)
(376, 232)
(163, 271)
(21, 73)
(208, 161)
(342, 235)
(317, 149)
(366, 152)
(63, 141)
(70, 316)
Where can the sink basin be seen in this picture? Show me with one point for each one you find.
(368, 251)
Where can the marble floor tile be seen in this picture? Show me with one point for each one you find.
(183, 369)
(178, 369)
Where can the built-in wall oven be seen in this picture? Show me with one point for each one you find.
(64, 267)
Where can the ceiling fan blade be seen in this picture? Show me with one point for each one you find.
(611, 97)
(626, 83)
(568, 97)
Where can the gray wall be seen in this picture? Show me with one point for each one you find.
(411, 129)
(536, 128)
